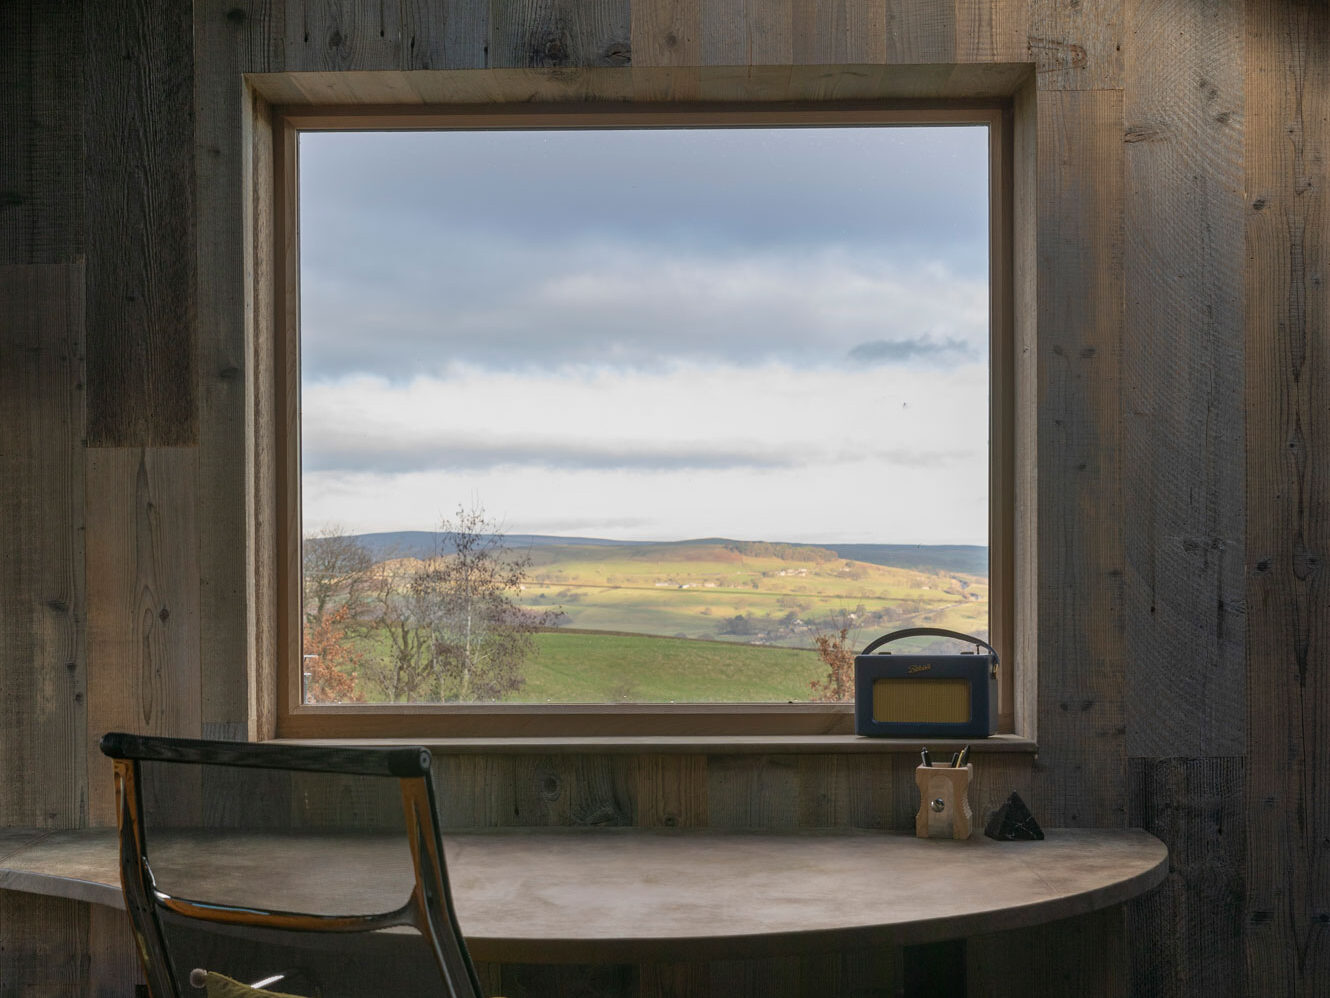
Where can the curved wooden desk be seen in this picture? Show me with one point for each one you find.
(624, 896)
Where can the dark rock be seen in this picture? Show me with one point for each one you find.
(1013, 822)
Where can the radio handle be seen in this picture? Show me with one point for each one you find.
(935, 632)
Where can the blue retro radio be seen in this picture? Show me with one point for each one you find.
(926, 696)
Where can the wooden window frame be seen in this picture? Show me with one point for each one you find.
(273, 226)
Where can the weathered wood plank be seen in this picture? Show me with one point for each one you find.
(671, 791)
(559, 34)
(45, 946)
(139, 132)
(992, 31)
(41, 144)
(736, 33)
(918, 31)
(753, 791)
(1081, 722)
(1185, 937)
(581, 790)
(1182, 380)
(835, 32)
(143, 602)
(1288, 496)
(42, 591)
(1083, 956)
(454, 35)
(113, 969)
(525, 980)
(342, 36)
(475, 791)
(1076, 46)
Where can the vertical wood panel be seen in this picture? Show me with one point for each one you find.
(1185, 937)
(828, 32)
(113, 960)
(554, 34)
(736, 33)
(1082, 956)
(139, 132)
(1081, 722)
(41, 143)
(753, 791)
(143, 602)
(671, 791)
(1182, 380)
(1076, 44)
(454, 35)
(43, 946)
(1288, 497)
(343, 35)
(920, 31)
(42, 593)
(235, 40)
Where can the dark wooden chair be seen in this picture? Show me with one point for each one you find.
(165, 802)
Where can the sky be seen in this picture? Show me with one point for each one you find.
(763, 334)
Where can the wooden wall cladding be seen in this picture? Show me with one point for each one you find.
(42, 594)
(143, 602)
(1288, 497)
(138, 127)
(1082, 724)
(1182, 380)
(41, 149)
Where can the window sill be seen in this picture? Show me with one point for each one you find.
(690, 744)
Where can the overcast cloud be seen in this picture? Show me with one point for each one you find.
(775, 334)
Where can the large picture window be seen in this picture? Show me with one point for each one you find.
(613, 424)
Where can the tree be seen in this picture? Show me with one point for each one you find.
(336, 573)
(481, 636)
(454, 630)
(331, 660)
(833, 650)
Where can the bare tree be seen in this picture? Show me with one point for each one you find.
(837, 655)
(336, 574)
(481, 636)
(453, 627)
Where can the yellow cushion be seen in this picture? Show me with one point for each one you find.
(220, 986)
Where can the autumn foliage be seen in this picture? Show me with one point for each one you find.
(838, 686)
(331, 660)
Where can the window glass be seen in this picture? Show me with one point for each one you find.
(638, 415)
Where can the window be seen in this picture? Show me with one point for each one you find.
(673, 358)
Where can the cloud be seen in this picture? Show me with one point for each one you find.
(897, 351)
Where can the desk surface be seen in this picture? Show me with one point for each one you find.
(620, 895)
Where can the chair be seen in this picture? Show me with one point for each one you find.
(278, 851)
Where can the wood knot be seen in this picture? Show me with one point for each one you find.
(671, 40)
(236, 16)
(619, 54)
(335, 39)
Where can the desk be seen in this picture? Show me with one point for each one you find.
(629, 896)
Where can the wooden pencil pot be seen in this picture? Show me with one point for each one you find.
(944, 802)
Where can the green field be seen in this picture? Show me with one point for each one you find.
(709, 621)
(605, 668)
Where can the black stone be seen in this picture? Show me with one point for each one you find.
(1013, 822)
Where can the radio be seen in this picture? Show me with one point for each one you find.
(926, 696)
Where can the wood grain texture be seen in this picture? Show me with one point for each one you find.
(41, 143)
(1081, 717)
(1182, 380)
(992, 31)
(143, 602)
(560, 34)
(738, 33)
(139, 195)
(919, 31)
(1082, 956)
(670, 791)
(323, 35)
(43, 946)
(113, 965)
(1288, 497)
(42, 591)
(836, 32)
(1076, 44)
(236, 39)
(1186, 937)
(454, 35)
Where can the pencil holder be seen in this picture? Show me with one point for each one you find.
(944, 802)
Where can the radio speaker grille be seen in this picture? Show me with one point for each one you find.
(914, 700)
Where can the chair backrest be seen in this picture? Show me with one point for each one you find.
(322, 864)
